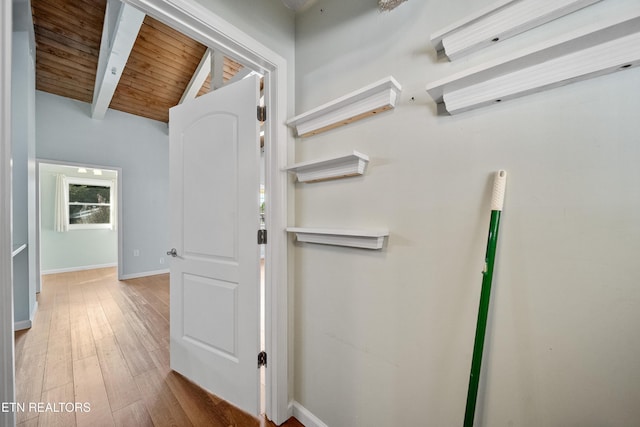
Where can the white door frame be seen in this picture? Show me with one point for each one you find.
(203, 25)
(7, 370)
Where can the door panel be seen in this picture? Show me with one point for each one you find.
(220, 173)
(215, 152)
(208, 301)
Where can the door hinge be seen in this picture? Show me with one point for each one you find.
(262, 113)
(262, 237)
(262, 359)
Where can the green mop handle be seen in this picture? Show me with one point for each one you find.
(497, 201)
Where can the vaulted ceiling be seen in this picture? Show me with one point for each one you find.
(159, 69)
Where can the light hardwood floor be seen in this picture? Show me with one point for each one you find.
(98, 340)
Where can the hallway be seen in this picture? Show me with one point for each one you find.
(98, 340)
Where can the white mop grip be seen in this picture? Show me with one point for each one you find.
(499, 185)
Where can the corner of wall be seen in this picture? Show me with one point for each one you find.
(305, 416)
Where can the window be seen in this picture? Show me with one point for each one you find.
(90, 203)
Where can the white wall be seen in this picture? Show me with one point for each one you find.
(23, 158)
(385, 338)
(268, 21)
(139, 146)
(7, 374)
(74, 249)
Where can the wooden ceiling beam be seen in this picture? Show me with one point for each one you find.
(118, 39)
(217, 70)
(69, 36)
(203, 80)
(198, 78)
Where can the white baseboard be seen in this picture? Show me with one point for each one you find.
(143, 274)
(26, 324)
(23, 324)
(303, 415)
(80, 268)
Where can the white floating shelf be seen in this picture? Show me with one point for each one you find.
(499, 21)
(351, 238)
(598, 49)
(368, 101)
(17, 249)
(334, 168)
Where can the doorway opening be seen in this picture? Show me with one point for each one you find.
(78, 216)
(201, 23)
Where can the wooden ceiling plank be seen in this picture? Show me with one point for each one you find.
(156, 72)
(114, 52)
(70, 83)
(239, 75)
(125, 102)
(52, 74)
(133, 94)
(67, 93)
(177, 67)
(164, 40)
(147, 68)
(59, 49)
(128, 98)
(67, 12)
(150, 84)
(229, 73)
(46, 52)
(69, 63)
(149, 91)
(133, 76)
(96, 7)
(63, 70)
(189, 54)
(65, 85)
(43, 34)
(174, 34)
(66, 25)
(233, 65)
(64, 31)
(167, 56)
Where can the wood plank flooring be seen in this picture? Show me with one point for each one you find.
(98, 340)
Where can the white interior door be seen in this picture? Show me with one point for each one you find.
(215, 272)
